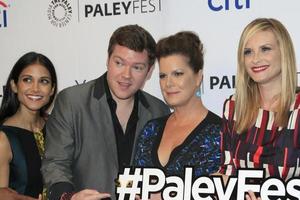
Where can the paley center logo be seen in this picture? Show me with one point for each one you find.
(3, 14)
(59, 13)
(114, 8)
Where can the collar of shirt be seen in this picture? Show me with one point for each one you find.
(125, 140)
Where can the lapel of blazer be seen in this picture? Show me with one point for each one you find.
(107, 128)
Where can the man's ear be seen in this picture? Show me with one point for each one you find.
(107, 61)
(13, 86)
(149, 74)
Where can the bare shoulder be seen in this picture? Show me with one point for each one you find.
(5, 149)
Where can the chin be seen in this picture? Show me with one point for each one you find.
(35, 107)
(124, 97)
(171, 104)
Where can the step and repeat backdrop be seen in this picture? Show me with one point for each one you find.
(74, 34)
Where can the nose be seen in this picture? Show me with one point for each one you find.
(127, 72)
(169, 82)
(35, 86)
(256, 57)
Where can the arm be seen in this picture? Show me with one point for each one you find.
(59, 148)
(251, 196)
(227, 150)
(224, 177)
(5, 158)
(9, 194)
(89, 195)
(142, 156)
(212, 150)
(226, 166)
(142, 150)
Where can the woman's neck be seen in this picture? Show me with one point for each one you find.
(269, 96)
(28, 120)
(195, 110)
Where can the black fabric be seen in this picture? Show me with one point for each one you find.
(25, 176)
(200, 149)
(58, 189)
(124, 140)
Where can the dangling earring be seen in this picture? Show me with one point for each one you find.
(198, 92)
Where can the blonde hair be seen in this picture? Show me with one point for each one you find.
(247, 93)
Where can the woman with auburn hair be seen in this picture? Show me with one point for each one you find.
(260, 122)
(190, 136)
(29, 92)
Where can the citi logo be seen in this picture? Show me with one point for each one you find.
(3, 14)
(219, 5)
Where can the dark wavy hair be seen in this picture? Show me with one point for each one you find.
(10, 102)
(185, 43)
(135, 38)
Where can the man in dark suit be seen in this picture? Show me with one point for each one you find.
(91, 132)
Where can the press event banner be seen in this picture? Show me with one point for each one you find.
(74, 34)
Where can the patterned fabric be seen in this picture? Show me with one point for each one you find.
(39, 139)
(199, 150)
(275, 149)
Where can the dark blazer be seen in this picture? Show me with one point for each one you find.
(81, 150)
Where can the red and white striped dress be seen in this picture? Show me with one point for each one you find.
(263, 146)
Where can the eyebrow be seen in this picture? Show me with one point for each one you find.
(137, 63)
(267, 44)
(261, 45)
(24, 75)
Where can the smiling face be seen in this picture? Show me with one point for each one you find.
(263, 59)
(178, 82)
(127, 71)
(34, 87)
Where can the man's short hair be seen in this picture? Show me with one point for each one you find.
(135, 38)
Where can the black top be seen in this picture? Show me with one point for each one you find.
(200, 150)
(24, 169)
(124, 141)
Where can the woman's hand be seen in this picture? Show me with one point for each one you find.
(89, 194)
(153, 196)
(251, 196)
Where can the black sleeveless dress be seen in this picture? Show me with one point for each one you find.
(24, 170)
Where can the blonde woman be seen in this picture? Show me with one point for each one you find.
(260, 122)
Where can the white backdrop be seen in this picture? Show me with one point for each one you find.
(74, 34)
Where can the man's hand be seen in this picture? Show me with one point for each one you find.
(88, 194)
(9, 194)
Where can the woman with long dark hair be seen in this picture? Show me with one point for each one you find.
(28, 94)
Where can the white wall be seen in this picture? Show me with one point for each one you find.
(78, 48)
